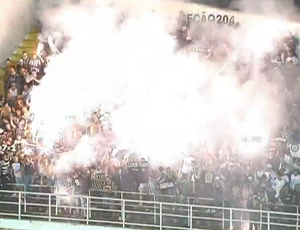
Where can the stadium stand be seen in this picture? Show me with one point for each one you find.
(192, 196)
(29, 45)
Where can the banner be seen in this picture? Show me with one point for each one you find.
(199, 12)
(166, 185)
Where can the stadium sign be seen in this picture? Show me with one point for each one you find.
(170, 9)
(294, 150)
(213, 18)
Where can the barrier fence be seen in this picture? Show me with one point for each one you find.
(123, 195)
(137, 213)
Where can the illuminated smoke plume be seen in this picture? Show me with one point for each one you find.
(160, 103)
(80, 156)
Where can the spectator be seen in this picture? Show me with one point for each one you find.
(17, 172)
(23, 62)
(97, 180)
(45, 169)
(182, 22)
(10, 100)
(292, 43)
(291, 58)
(207, 178)
(23, 74)
(153, 184)
(6, 171)
(253, 204)
(278, 185)
(2, 101)
(35, 65)
(219, 191)
(7, 67)
(12, 78)
(31, 79)
(295, 179)
(13, 91)
(29, 172)
(26, 93)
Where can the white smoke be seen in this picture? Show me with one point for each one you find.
(160, 103)
(82, 155)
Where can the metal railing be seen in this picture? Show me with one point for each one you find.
(124, 195)
(136, 213)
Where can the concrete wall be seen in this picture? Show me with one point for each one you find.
(17, 17)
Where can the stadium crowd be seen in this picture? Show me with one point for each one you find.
(225, 178)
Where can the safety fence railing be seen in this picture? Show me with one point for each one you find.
(123, 195)
(289, 218)
(136, 213)
(151, 197)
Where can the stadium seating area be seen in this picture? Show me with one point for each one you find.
(29, 45)
(206, 191)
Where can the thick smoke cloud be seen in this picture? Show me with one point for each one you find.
(25, 21)
(160, 102)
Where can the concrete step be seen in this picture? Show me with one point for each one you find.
(35, 30)
(2, 71)
(32, 36)
(29, 50)
(15, 58)
(29, 43)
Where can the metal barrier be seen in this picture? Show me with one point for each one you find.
(135, 213)
(124, 195)
(100, 200)
(150, 197)
(288, 218)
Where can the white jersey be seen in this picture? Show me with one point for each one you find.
(187, 165)
(295, 180)
(14, 93)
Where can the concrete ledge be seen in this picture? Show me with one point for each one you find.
(43, 225)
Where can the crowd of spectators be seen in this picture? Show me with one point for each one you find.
(224, 178)
(190, 34)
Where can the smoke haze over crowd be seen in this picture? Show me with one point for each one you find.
(160, 103)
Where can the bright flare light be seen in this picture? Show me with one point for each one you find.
(251, 129)
(82, 155)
